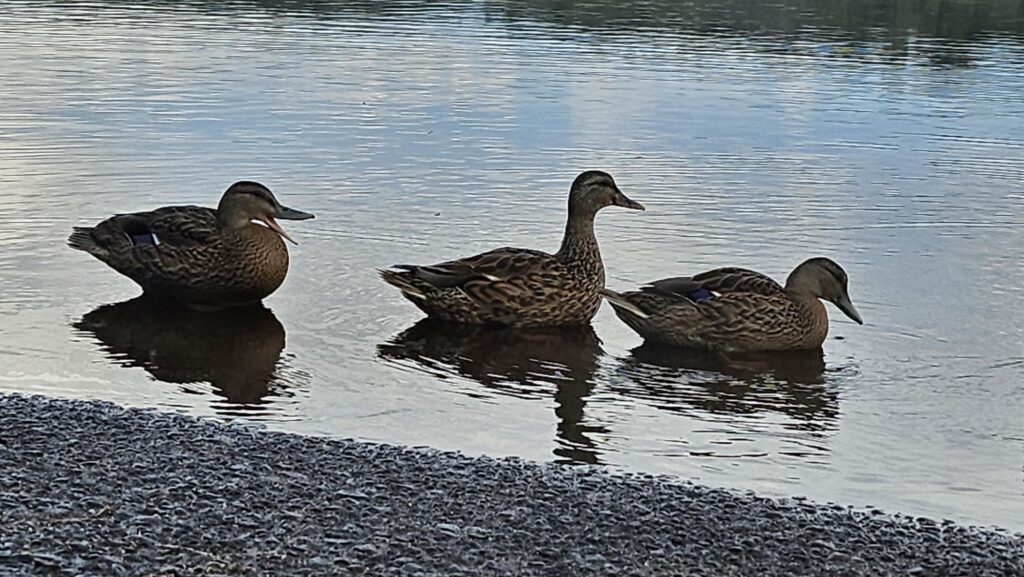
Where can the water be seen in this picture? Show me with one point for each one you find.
(888, 136)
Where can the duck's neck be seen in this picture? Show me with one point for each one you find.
(579, 245)
(231, 221)
(815, 317)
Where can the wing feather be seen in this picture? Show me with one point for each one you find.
(735, 279)
(506, 268)
(720, 281)
(178, 241)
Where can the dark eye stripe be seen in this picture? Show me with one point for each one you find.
(839, 275)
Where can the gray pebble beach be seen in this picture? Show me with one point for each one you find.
(95, 489)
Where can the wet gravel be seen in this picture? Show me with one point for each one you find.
(92, 488)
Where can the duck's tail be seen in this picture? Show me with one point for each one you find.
(81, 239)
(622, 305)
(400, 280)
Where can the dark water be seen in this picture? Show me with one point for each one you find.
(886, 135)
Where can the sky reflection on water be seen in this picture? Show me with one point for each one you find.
(889, 140)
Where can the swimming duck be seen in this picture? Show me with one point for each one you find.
(517, 286)
(735, 309)
(202, 256)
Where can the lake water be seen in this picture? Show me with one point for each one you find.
(886, 135)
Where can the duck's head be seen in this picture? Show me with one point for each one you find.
(246, 201)
(822, 278)
(593, 190)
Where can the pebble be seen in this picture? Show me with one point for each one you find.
(93, 488)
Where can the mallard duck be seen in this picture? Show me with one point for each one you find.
(204, 257)
(735, 309)
(517, 286)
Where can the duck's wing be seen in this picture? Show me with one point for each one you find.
(169, 228)
(715, 282)
(172, 248)
(739, 280)
(184, 226)
(723, 305)
(732, 320)
(743, 320)
(502, 275)
(498, 265)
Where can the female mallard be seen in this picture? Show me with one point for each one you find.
(522, 287)
(735, 309)
(199, 255)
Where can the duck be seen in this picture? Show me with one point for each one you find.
(738, 310)
(520, 287)
(204, 257)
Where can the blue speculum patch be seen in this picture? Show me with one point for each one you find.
(146, 239)
(700, 295)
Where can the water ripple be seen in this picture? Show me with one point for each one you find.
(757, 135)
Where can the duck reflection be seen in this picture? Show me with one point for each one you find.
(677, 379)
(524, 363)
(237, 351)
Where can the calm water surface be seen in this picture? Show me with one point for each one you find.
(890, 139)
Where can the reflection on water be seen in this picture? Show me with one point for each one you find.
(237, 351)
(885, 134)
(564, 363)
(551, 362)
(790, 383)
(895, 20)
(931, 32)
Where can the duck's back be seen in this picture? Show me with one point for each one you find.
(509, 286)
(183, 252)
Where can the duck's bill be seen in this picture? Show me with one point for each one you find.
(287, 214)
(292, 214)
(626, 202)
(848, 309)
(272, 225)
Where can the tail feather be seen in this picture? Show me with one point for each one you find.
(81, 239)
(622, 304)
(399, 281)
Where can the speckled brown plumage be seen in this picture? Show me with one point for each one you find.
(734, 309)
(522, 287)
(195, 254)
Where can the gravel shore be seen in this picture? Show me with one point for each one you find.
(92, 488)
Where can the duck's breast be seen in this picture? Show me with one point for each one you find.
(256, 260)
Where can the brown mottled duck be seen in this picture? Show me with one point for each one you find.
(517, 286)
(735, 309)
(202, 256)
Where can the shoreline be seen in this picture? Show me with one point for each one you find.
(93, 488)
